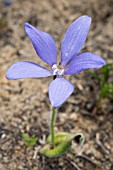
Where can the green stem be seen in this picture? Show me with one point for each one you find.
(53, 113)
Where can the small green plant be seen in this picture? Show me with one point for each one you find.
(3, 23)
(29, 140)
(106, 88)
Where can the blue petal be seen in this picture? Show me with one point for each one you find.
(74, 39)
(59, 90)
(26, 69)
(43, 43)
(85, 61)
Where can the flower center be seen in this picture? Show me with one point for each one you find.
(57, 70)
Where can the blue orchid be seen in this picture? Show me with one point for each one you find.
(7, 2)
(71, 61)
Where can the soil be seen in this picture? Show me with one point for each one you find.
(24, 104)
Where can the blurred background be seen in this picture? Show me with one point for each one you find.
(24, 104)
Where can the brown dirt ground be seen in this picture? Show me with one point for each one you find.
(24, 104)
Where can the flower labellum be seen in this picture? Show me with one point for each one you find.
(71, 61)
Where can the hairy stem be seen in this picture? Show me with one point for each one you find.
(53, 113)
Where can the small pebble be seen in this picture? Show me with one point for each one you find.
(3, 136)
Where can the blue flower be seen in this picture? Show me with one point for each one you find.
(7, 2)
(71, 61)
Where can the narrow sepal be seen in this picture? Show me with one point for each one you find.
(43, 43)
(74, 39)
(26, 69)
(85, 61)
